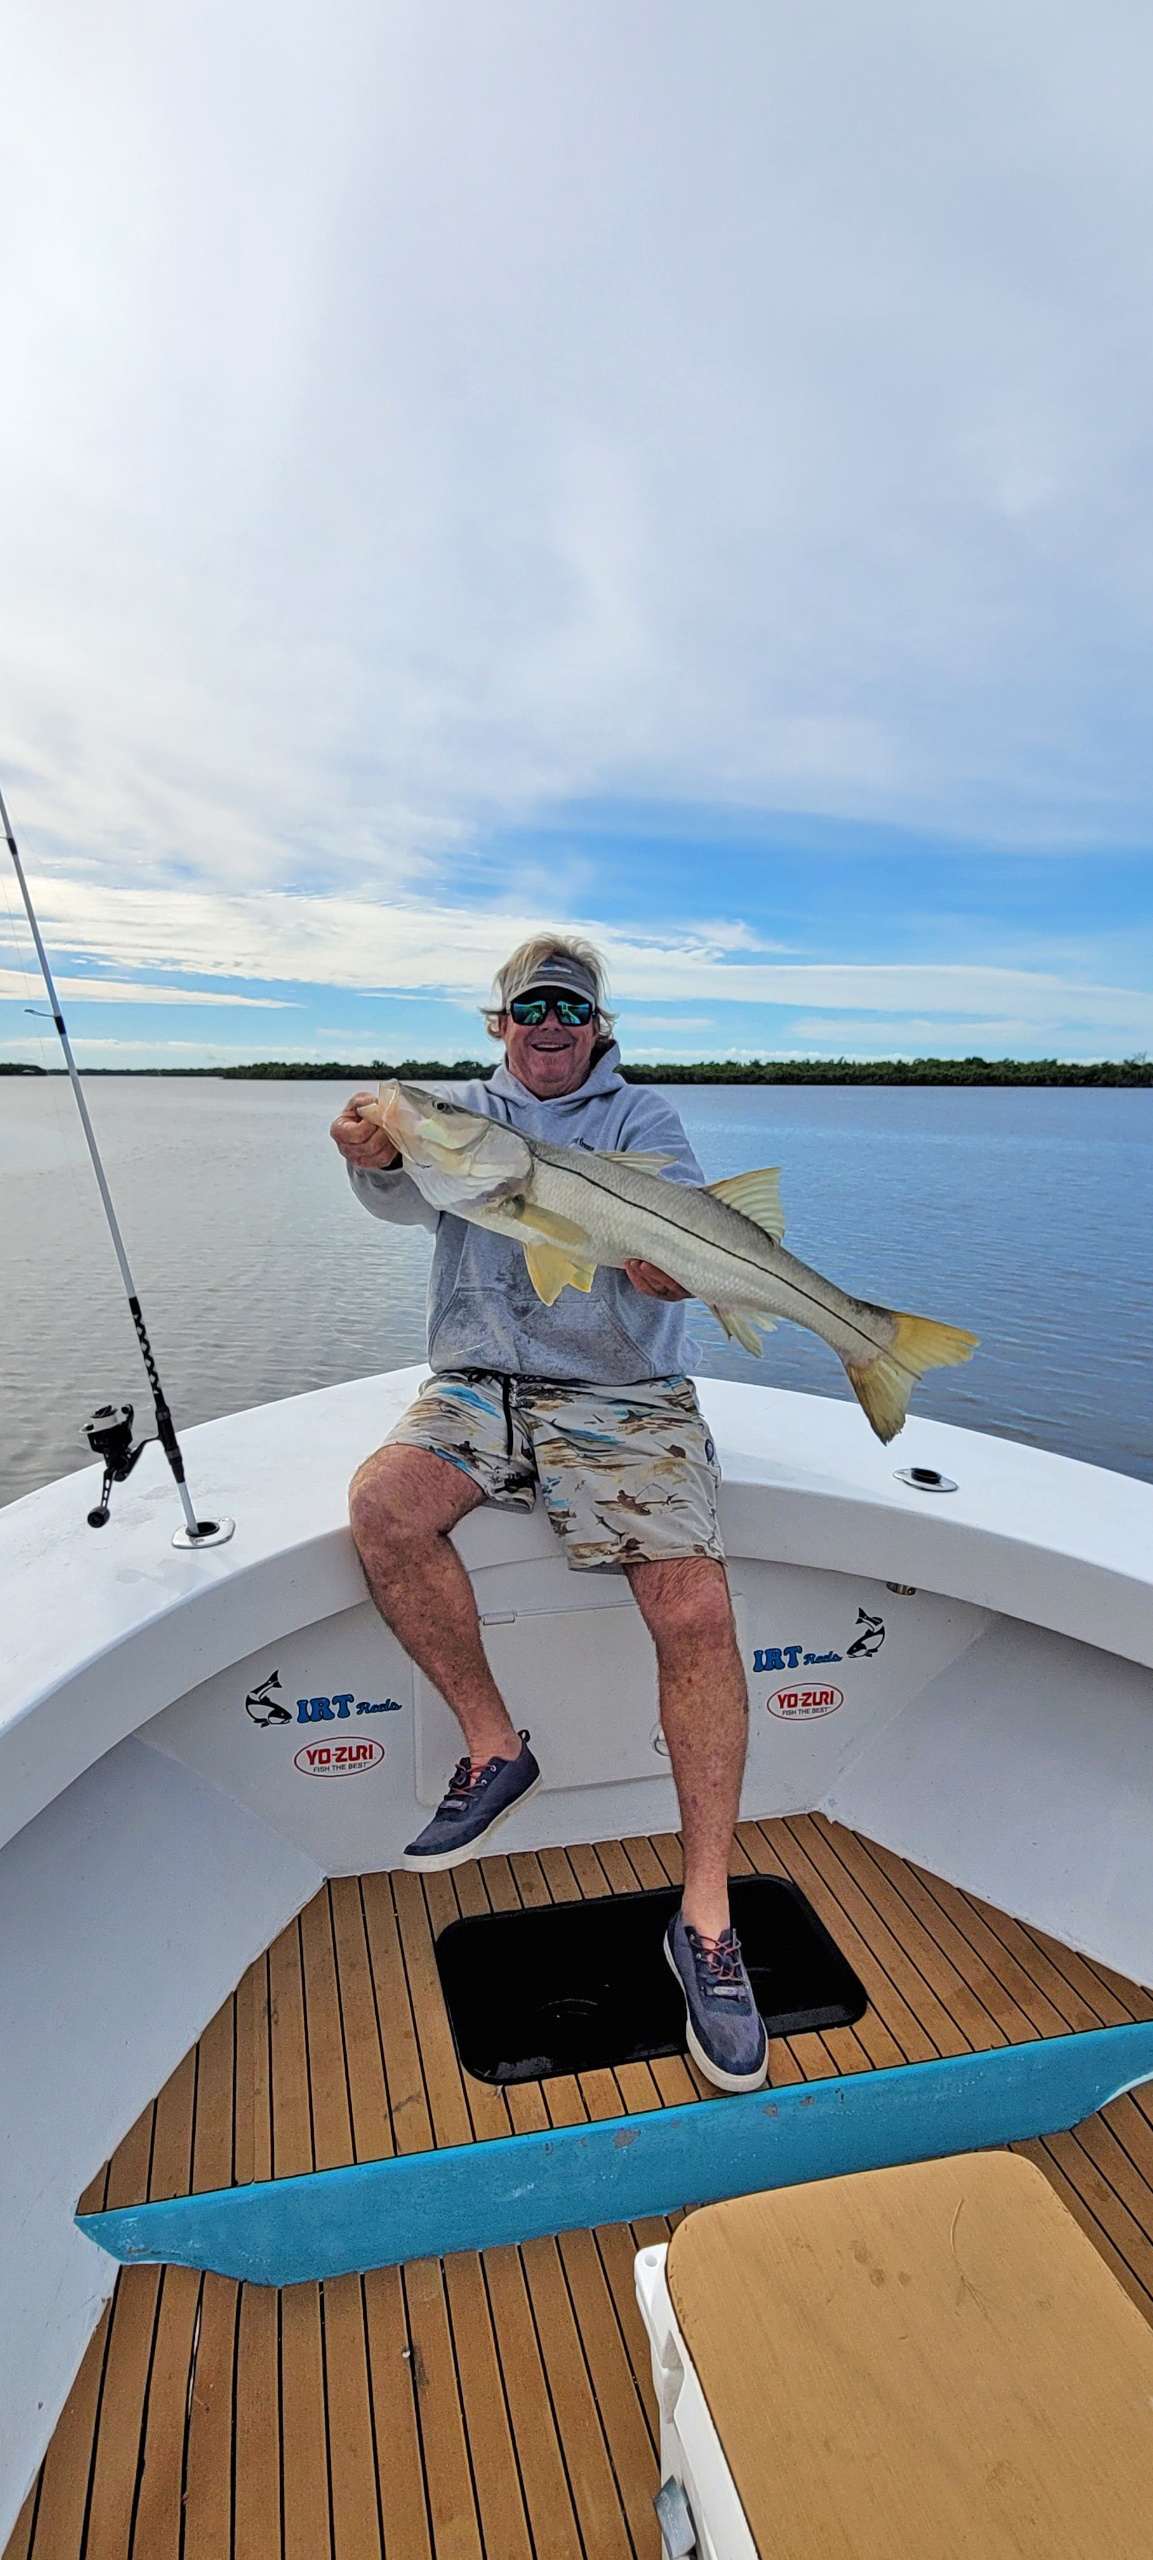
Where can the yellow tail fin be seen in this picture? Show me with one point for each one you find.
(885, 1386)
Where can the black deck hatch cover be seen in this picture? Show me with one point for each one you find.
(580, 1986)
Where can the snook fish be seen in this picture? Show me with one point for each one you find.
(572, 1208)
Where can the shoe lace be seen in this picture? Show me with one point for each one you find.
(464, 1779)
(722, 1958)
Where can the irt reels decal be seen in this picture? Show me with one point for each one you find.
(338, 1759)
(798, 1705)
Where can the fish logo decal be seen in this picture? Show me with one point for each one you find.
(262, 1707)
(870, 1639)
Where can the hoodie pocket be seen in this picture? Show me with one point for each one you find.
(472, 1331)
(654, 1349)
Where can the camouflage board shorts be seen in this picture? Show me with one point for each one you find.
(628, 1475)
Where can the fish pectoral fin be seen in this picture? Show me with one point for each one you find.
(550, 1270)
(741, 1327)
(640, 1162)
(757, 1196)
(884, 1387)
(548, 1222)
(558, 1254)
(502, 1219)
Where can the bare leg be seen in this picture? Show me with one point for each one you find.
(402, 1504)
(686, 1607)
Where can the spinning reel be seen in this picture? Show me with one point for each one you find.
(109, 1436)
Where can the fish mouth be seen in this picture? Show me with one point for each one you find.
(421, 1131)
(470, 1158)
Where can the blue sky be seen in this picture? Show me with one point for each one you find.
(683, 473)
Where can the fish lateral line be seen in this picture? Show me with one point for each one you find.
(663, 1217)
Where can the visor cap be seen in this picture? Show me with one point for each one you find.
(560, 974)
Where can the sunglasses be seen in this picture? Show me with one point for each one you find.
(571, 1011)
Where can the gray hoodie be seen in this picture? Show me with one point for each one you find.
(483, 1312)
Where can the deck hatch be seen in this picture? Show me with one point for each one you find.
(584, 1986)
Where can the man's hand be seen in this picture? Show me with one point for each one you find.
(360, 1141)
(651, 1282)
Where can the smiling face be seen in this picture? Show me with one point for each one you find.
(551, 1059)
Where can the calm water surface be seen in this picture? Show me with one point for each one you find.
(1026, 1216)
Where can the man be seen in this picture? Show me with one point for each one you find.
(588, 1401)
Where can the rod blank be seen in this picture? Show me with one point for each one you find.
(196, 1533)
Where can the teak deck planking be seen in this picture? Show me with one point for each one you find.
(493, 2407)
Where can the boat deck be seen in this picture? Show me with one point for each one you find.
(495, 2406)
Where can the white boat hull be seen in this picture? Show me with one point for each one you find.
(190, 1743)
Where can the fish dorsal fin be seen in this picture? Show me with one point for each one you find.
(550, 1270)
(757, 1196)
(742, 1327)
(636, 1156)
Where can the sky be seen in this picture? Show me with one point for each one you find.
(682, 473)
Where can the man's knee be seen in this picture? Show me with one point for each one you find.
(684, 1598)
(376, 1506)
(401, 1497)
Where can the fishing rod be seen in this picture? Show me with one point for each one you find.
(109, 1432)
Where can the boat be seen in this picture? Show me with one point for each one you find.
(281, 2275)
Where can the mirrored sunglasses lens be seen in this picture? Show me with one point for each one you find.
(572, 1011)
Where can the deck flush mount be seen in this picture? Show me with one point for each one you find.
(209, 1533)
(925, 1479)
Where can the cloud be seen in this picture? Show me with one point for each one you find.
(332, 941)
(665, 1022)
(21, 984)
(378, 948)
(440, 423)
(1083, 1031)
(123, 1050)
(440, 414)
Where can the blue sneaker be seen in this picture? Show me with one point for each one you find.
(476, 1801)
(726, 2034)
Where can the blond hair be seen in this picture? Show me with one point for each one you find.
(526, 962)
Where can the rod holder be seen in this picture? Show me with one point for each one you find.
(209, 1533)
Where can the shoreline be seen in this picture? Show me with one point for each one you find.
(1110, 1073)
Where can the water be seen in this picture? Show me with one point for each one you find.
(1025, 1216)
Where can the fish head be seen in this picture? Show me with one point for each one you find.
(454, 1156)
